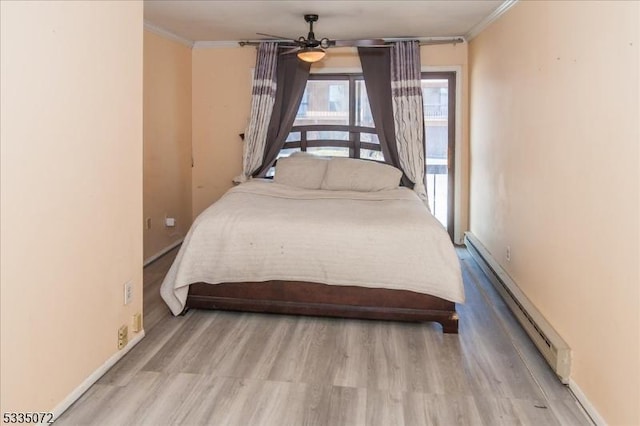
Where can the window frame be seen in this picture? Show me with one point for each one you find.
(354, 143)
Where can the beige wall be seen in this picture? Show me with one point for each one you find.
(167, 141)
(71, 179)
(554, 175)
(221, 104)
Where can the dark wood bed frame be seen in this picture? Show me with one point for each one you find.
(304, 298)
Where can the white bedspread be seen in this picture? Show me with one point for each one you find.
(260, 231)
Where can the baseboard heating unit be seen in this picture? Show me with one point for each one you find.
(554, 349)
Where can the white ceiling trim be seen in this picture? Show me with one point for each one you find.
(167, 34)
(489, 19)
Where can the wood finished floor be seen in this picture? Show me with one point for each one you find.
(224, 368)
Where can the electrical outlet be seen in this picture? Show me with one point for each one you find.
(128, 292)
(136, 324)
(123, 336)
(169, 222)
(508, 255)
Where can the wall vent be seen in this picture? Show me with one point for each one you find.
(552, 347)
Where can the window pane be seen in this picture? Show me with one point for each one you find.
(363, 109)
(324, 102)
(328, 135)
(369, 137)
(287, 152)
(293, 136)
(370, 154)
(437, 135)
(435, 95)
(329, 151)
(435, 98)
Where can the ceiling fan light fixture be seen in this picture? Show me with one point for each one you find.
(311, 54)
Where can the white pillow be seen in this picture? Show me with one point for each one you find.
(301, 171)
(349, 174)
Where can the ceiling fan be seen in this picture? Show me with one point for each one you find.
(310, 49)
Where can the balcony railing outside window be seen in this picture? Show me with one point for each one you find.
(436, 112)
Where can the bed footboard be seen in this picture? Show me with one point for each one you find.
(315, 299)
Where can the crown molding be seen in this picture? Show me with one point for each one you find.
(477, 29)
(167, 34)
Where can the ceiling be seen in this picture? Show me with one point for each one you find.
(218, 21)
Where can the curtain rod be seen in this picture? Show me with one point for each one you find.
(424, 41)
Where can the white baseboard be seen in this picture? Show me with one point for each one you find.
(162, 252)
(494, 271)
(550, 344)
(89, 381)
(586, 404)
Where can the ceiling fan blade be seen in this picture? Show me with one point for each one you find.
(275, 37)
(301, 42)
(286, 52)
(359, 43)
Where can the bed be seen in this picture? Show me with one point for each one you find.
(337, 241)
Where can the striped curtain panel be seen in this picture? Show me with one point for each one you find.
(406, 95)
(263, 96)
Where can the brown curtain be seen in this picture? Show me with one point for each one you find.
(376, 70)
(292, 76)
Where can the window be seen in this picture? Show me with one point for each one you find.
(334, 119)
(438, 96)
